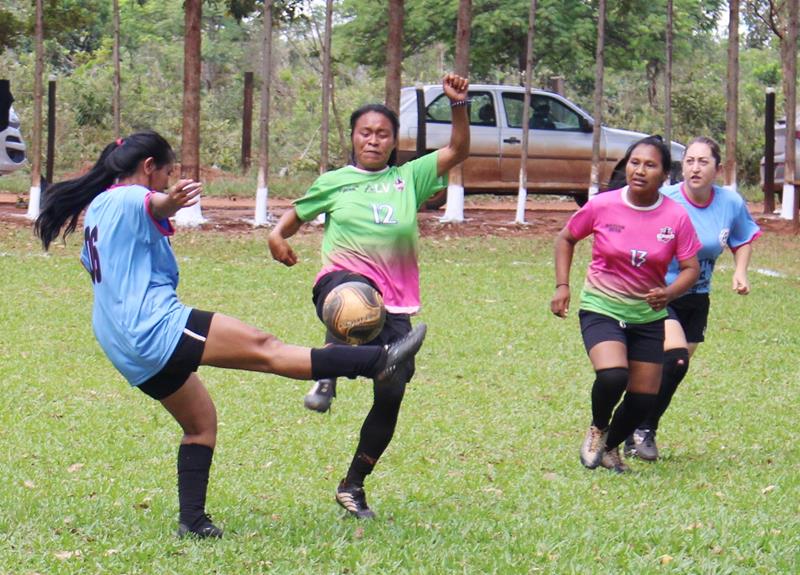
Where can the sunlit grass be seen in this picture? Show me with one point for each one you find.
(483, 475)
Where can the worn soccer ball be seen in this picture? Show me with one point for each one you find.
(354, 312)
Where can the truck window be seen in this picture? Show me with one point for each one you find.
(546, 113)
(481, 111)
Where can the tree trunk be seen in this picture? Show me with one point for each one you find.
(790, 81)
(190, 148)
(455, 188)
(522, 191)
(34, 197)
(262, 187)
(668, 78)
(394, 55)
(190, 140)
(594, 181)
(116, 103)
(326, 88)
(732, 113)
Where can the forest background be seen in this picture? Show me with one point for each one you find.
(79, 39)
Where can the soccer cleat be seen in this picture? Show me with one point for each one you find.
(630, 446)
(611, 460)
(320, 396)
(593, 446)
(354, 500)
(644, 441)
(402, 350)
(201, 528)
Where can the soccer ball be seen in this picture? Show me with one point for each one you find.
(354, 312)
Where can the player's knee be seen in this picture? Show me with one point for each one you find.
(676, 363)
(612, 379)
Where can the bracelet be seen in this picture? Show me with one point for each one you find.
(559, 285)
(457, 103)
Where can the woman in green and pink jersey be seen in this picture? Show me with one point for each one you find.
(371, 236)
(637, 232)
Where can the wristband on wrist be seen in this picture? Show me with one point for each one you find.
(559, 285)
(457, 103)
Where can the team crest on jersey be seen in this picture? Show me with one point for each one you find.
(723, 236)
(666, 235)
(399, 184)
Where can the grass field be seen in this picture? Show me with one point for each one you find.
(483, 475)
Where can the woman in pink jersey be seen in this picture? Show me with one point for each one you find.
(371, 236)
(637, 232)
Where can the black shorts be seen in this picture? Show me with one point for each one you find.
(185, 360)
(397, 325)
(691, 311)
(645, 341)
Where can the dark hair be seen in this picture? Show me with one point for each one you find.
(657, 142)
(712, 144)
(380, 109)
(65, 200)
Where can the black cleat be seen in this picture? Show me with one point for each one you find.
(401, 351)
(354, 500)
(320, 396)
(201, 528)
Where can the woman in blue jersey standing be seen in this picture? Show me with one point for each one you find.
(721, 219)
(155, 341)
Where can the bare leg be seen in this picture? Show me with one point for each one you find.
(193, 409)
(232, 343)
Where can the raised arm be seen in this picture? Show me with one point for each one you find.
(183, 194)
(286, 227)
(455, 88)
(564, 250)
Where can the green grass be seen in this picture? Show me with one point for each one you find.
(483, 475)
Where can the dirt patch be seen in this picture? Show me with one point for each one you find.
(483, 216)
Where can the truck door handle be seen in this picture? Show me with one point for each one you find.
(512, 140)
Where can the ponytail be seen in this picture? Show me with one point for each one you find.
(64, 201)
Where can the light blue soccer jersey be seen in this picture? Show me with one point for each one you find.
(137, 318)
(724, 221)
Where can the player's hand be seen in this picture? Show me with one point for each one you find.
(657, 298)
(184, 193)
(559, 305)
(740, 284)
(455, 87)
(281, 250)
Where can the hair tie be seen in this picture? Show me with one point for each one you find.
(120, 141)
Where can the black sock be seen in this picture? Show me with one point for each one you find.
(361, 466)
(347, 361)
(676, 364)
(194, 463)
(609, 385)
(631, 412)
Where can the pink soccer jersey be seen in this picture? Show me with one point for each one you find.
(632, 249)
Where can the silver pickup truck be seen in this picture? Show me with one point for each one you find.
(12, 148)
(560, 140)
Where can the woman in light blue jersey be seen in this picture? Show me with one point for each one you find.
(721, 220)
(155, 341)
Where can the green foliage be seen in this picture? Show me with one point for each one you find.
(482, 475)
(10, 29)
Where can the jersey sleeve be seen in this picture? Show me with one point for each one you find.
(688, 242)
(136, 204)
(581, 224)
(316, 201)
(422, 172)
(744, 229)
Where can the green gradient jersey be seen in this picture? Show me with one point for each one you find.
(371, 224)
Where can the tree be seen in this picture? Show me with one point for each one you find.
(116, 102)
(327, 81)
(36, 151)
(394, 55)
(594, 178)
(732, 92)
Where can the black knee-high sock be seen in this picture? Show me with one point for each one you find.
(676, 364)
(194, 463)
(347, 361)
(631, 412)
(609, 385)
(376, 432)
